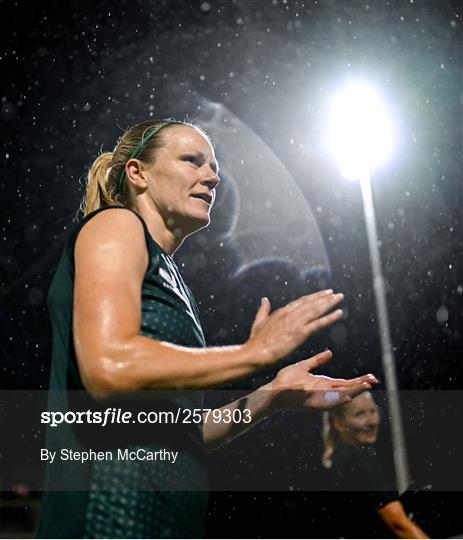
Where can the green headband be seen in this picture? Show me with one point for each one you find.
(140, 146)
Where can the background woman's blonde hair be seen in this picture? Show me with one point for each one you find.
(331, 438)
(103, 177)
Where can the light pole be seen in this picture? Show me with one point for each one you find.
(361, 138)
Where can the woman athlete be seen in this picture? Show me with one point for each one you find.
(124, 322)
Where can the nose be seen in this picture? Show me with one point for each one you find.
(211, 181)
(373, 419)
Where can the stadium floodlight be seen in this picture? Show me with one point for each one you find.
(361, 138)
(360, 134)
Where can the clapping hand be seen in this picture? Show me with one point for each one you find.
(276, 335)
(295, 387)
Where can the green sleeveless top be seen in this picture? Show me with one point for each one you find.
(169, 313)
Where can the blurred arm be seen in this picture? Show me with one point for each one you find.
(396, 519)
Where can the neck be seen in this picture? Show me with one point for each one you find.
(348, 440)
(158, 229)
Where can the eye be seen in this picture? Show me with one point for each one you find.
(191, 158)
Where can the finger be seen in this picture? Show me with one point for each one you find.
(309, 298)
(323, 322)
(370, 378)
(349, 383)
(316, 361)
(314, 310)
(339, 396)
(356, 389)
(263, 311)
(339, 383)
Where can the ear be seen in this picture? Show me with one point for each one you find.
(135, 173)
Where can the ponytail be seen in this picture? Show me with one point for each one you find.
(330, 440)
(101, 187)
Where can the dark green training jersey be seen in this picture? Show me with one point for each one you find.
(116, 498)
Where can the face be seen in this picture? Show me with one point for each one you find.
(359, 422)
(182, 180)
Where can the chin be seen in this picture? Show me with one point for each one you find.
(369, 440)
(198, 222)
(203, 219)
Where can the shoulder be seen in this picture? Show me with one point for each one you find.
(109, 231)
(113, 218)
(112, 222)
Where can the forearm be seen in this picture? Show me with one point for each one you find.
(409, 530)
(253, 408)
(141, 363)
(393, 514)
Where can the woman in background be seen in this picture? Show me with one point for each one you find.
(349, 433)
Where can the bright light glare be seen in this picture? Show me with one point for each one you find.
(360, 133)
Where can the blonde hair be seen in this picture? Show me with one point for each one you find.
(103, 177)
(331, 437)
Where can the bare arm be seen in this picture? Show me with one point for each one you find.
(113, 358)
(218, 430)
(396, 519)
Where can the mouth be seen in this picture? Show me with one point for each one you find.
(204, 196)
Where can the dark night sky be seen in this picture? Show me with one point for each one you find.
(74, 74)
